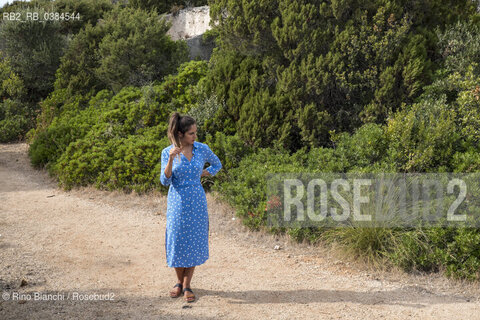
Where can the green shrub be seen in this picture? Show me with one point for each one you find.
(363, 149)
(136, 166)
(468, 161)
(129, 47)
(462, 255)
(84, 160)
(248, 192)
(230, 149)
(136, 49)
(125, 163)
(16, 114)
(13, 128)
(424, 136)
(112, 141)
(74, 123)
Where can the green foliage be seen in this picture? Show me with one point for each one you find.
(229, 149)
(412, 250)
(129, 47)
(34, 50)
(52, 107)
(137, 163)
(11, 86)
(364, 148)
(468, 161)
(74, 123)
(228, 80)
(17, 5)
(462, 255)
(292, 71)
(459, 46)
(136, 50)
(127, 163)
(204, 113)
(15, 118)
(453, 249)
(76, 72)
(13, 126)
(90, 11)
(113, 141)
(423, 137)
(177, 92)
(248, 193)
(435, 133)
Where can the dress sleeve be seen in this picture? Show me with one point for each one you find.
(163, 178)
(215, 164)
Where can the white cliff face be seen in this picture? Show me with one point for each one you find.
(189, 23)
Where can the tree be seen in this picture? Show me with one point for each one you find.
(128, 47)
(34, 49)
(136, 49)
(77, 71)
(14, 120)
(89, 11)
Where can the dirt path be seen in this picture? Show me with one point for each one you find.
(72, 244)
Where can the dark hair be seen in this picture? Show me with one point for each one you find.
(178, 124)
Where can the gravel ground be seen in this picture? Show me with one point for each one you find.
(88, 254)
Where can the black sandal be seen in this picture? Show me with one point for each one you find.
(176, 295)
(189, 299)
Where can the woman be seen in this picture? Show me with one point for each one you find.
(186, 235)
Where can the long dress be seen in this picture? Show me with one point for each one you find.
(186, 234)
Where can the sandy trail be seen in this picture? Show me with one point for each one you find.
(86, 241)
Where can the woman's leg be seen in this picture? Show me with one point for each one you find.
(180, 274)
(187, 277)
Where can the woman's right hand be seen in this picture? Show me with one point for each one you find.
(174, 151)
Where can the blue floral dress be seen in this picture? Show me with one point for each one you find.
(186, 234)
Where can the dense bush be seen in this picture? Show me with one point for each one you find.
(34, 50)
(432, 135)
(89, 11)
(248, 192)
(15, 115)
(453, 250)
(74, 123)
(113, 140)
(136, 50)
(292, 71)
(129, 47)
(76, 72)
(127, 163)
